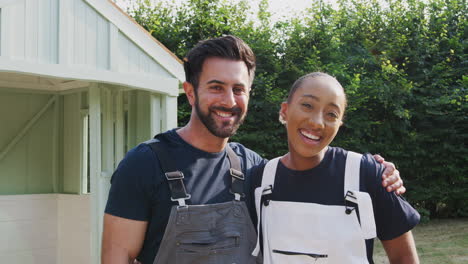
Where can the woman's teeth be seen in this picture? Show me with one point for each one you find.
(309, 136)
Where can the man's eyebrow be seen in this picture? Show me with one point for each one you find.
(216, 81)
(221, 82)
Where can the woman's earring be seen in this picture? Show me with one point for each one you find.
(281, 120)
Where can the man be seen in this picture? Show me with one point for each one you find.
(146, 216)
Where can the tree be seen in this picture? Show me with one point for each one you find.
(403, 65)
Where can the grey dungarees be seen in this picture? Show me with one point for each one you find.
(209, 234)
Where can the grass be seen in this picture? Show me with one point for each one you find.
(439, 241)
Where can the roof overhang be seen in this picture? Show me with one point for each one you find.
(82, 74)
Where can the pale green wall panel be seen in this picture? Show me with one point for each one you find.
(14, 113)
(71, 143)
(143, 112)
(131, 119)
(13, 171)
(40, 155)
(27, 167)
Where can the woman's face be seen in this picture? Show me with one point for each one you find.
(313, 116)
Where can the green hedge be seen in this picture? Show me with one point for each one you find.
(403, 65)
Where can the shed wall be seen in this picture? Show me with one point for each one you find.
(72, 128)
(28, 167)
(72, 33)
(30, 30)
(28, 224)
(45, 228)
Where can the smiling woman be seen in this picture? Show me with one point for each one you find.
(333, 197)
(313, 114)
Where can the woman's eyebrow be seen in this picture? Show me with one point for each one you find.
(311, 96)
(318, 100)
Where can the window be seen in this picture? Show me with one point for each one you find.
(85, 173)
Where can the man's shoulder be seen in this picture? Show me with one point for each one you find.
(246, 153)
(140, 153)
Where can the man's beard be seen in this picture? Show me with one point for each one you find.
(226, 130)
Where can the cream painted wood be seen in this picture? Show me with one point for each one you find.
(65, 32)
(4, 31)
(74, 230)
(169, 107)
(34, 35)
(133, 59)
(113, 47)
(18, 38)
(37, 83)
(155, 114)
(81, 37)
(140, 37)
(119, 127)
(95, 170)
(107, 130)
(84, 149)
(28, 224)
(45, 229)
(135, 80)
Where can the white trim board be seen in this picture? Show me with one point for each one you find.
(146, 82)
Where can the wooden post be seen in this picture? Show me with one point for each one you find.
(169, 112)
(95, 169)
(155, 114)
(119, 127)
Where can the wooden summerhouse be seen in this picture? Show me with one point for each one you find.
(80, 84)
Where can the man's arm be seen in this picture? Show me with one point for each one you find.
(401, 250)
(391, 179)
(122, 239)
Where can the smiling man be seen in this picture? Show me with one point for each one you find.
(179, 198)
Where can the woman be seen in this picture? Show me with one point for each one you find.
(322, 204)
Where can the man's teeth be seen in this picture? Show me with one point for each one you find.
(309, 136)
(222, 114)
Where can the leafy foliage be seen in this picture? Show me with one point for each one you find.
(403, 65)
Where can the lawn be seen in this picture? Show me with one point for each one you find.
(439, 241)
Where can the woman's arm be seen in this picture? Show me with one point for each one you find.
(402, 249)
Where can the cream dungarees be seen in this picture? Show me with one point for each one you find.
(297, 232)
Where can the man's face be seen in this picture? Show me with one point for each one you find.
(222, 96)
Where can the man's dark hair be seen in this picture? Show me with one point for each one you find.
(226, 47)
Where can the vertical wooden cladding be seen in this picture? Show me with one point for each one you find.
(30, 28)
(134, 60)
(91, 36)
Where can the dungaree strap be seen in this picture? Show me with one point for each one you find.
(352, 171)
(268, 180)
(174, 177)
(361, 199)
(237, 185)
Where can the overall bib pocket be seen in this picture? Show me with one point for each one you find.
(298, 256)
(207, 247)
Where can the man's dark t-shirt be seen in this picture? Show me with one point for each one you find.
(140, 191)
(324, 185)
